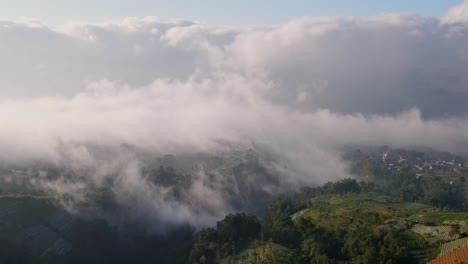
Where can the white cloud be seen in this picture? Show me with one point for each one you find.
(457, 14)
(400, 61)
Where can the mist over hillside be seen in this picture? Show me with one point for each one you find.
(164, 192)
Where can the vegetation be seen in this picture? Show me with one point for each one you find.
(231, 235)
(453, 245)
(386, 215)
(383, 215)
(339, 222)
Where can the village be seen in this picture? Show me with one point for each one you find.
(435, 164)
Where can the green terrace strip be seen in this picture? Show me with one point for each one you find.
(453, 245)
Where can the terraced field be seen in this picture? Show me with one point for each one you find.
(434, 234)
(457, 256)
(59, 248)
(61, 222)
(418, 247)
(36, 223)
(453, 245)
(40, 238)
(366, 201)
(8, 208)
(423, 229)
(439, 217)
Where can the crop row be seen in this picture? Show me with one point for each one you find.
(457, 256)
(453, 245)
(8, 209)
(434, 234)
(61, 222)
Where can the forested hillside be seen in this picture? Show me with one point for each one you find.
(385, 214)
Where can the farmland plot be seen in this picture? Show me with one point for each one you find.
(61, 222)
(8, 208)
(457, 256)
(434, 234)
(418, 247)
(59, 248)
(40, 238)
(453, 245)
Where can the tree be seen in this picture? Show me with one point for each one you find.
(231, 235)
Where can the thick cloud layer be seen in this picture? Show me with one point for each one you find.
(301, 90)
(379, 65)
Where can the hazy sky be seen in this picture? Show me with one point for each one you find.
(214, 11)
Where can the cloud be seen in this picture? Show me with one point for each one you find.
(98, 99)
(397, 62)
(457, 14)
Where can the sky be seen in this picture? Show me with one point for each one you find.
(93, 97)
(241, 12)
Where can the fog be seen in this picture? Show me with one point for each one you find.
(99, 99)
